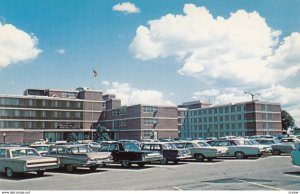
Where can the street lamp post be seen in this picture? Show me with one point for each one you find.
(4, 136)
(252, 95)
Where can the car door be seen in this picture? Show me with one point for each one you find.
(296, 156)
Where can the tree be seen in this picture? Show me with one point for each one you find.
(287, 120)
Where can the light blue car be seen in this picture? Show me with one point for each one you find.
(295, 156)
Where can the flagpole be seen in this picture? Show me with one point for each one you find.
(93, 106)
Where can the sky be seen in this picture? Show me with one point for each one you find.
(156, 52)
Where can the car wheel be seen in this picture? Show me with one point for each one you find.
(239, 155)
(199, 157)
(164, 160)
(276, 152)
(93, 168)
(70, 168)
(40, 172)
(141, 165)
(9, 172)
(176, 161)
(126, 163)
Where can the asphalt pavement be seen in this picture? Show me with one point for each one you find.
(266, 173)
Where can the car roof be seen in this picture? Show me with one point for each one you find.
(69, 146)
(16, 148)
(159, 143)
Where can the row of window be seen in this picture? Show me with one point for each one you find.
(217, 126)
(220, 110)
(40, 103)
(119, 111)
(216, 134)
(149, 109)
(120, 123)
(40, 114)
(38, 125)
(150, 121)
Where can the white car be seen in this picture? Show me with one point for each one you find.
(198, 152)
(239, 148)
(223, 151)
(295, 156)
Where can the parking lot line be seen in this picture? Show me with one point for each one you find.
(177, 188)
(260, 185)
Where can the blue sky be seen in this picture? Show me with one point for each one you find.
(169, 69)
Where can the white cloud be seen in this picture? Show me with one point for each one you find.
(241, 48)
(287, 97)
(61, 51)
(131, 96)
(105, 83)
(16, 45)
(126, 8)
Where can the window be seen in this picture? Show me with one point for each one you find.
(233, 117)
(189, 145)
(239, 117)
(226, 109)
(3, 153)
(221, 110)
(150, 109)
(215, 111)
(233, 109)
(150, 121)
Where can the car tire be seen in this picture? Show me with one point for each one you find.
(199, 157)
(239, 155)
(176, 161)
(164, 160)
(276, 152)
(9, 172)
(40, 172)
(126, 163)
(141, 165)
(70, 168)
(93, 168)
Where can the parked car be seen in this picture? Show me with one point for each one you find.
(20, 159)
(73, 156)
(42, 149)
(237, 148)
(223, 151)
(277, 147)
(263, 148)
(198, 152)
(295, 156)
(169, 151)
(128, 153)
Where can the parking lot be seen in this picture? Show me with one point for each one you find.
(266, 173)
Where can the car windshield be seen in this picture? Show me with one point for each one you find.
(24, 152)
(128, 146)
(203, 144)
(41, 148)
(254, 142)
(169, 146)
(80, 150)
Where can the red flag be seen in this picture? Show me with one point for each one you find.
(94, 73)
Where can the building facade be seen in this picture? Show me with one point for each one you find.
(52, 114)
(139, 121)
(199, 120)
(76, 114)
